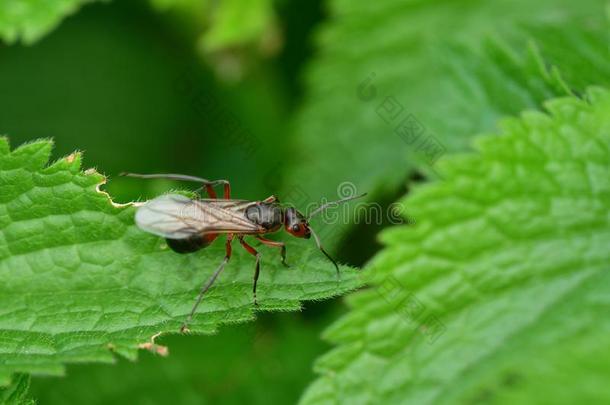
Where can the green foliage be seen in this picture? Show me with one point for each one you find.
(191, 5)
(16, 393)
(500, 292)
(229, 24)
(237, 23)
(456, 66)
(29, 20)
(80, 281)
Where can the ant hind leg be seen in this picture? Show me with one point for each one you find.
(206, 286)
(183, 177)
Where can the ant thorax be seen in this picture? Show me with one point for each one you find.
(268, 215)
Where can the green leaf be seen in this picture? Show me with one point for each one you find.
(80, 281)
(450, 69)
(258, 363)
(30, 20)
(500, 291)
(17, 391)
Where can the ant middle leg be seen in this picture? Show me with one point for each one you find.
(257, 269)
(273, 243)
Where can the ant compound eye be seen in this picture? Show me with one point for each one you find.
(296, 228)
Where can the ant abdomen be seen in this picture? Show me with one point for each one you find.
(188, 245)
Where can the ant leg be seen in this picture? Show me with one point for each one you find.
(182, 177)
(211, 192)
(179, 177)
(271, 199)
(227, 191)
(273, 243)
(206, 286)
(257, 269)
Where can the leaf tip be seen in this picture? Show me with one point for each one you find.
(36, 153)
(71, 163)
(74, 156)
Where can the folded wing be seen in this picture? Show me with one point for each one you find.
(176, 217)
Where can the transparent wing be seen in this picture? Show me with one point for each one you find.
(177, 217)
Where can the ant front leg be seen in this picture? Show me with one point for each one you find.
(257, 269)
(273, 243)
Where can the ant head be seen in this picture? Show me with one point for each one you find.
(296, 224)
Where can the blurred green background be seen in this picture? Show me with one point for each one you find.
(130, 85)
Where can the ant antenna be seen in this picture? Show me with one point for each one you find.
(333, 203)
(317, 239)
